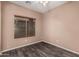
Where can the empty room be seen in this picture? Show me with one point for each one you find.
(39, 28)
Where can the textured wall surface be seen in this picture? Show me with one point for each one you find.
(0, 25)
(9, 10)
(61, 26)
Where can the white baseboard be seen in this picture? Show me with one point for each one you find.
(19, 46)
(62, 47)
(37, 42)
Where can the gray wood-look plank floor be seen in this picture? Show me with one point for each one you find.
(40, 49)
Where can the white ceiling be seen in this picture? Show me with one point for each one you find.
(36, 6)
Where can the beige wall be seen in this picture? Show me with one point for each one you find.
(0, 25)
(61, 26)
(9, 10)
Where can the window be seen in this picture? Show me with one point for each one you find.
(24, 27)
